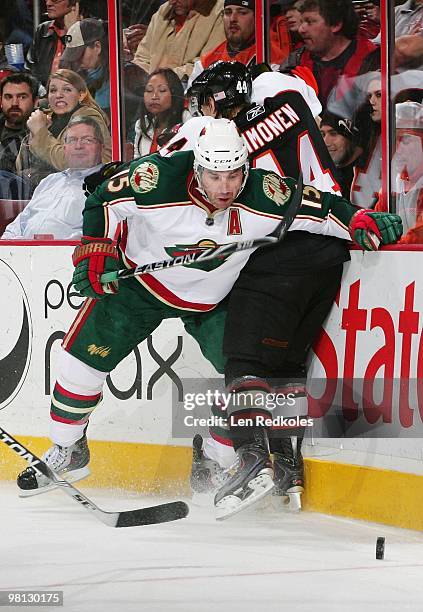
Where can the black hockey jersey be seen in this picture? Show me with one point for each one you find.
(282, 135)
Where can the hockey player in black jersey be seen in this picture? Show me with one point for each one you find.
(284, 294)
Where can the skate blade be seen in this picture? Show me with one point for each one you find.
(73, 476)
(230, 505)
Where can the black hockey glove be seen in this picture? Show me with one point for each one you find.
(92, 181)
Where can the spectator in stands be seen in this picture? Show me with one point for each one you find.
(138, 17)
(19, 22)
(87, 52)
(18, 98)
(49, 39)
(178, 34)
(368, 13)
(331, 45)
(57, 204)
(407, 167)
(239, 44)
(162, 108)
(340, 136)
(368, 168)
(42, 152)
(409, 35)
(5, 68)
(293, 20)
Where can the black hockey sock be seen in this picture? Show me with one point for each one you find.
(283, 445)
(249, 435)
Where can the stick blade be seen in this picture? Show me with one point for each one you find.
(163, 513)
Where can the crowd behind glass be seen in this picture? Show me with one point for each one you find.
(55, 93)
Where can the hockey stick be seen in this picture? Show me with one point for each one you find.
(162, 513)
(215, 252)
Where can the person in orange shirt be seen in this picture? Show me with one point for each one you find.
(239, 44)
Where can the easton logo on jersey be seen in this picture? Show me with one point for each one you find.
(145, 177)
(276, 189)
(202, 245)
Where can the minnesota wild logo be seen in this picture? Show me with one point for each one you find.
(276, 189)
(145, 177)
(202, 245)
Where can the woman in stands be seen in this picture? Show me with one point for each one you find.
(161, 111)
(368, 168)
(42, 152)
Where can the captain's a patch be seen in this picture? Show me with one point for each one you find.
(145, 177)
(276, 189)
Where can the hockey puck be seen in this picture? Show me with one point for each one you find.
(380, 548)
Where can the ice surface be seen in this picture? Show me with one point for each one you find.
(261, 561)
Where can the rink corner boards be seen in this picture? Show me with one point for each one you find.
(357, 492)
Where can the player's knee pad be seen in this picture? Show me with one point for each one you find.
(78, 377)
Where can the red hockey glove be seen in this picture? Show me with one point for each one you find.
(368, 228)
(91, 258)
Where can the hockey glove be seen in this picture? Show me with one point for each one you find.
(91, 258)
(366, 224)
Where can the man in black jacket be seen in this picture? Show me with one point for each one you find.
(18, 98)
(49, 40)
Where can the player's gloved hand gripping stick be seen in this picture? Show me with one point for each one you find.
(214, 252)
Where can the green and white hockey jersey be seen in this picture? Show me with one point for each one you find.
(156, 211)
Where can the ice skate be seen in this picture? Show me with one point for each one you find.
(69, 463)
(289, 475)
(250, 479)
(206, 474)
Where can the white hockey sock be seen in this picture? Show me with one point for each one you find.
(66, 434)
(224, 455)
(81, 379)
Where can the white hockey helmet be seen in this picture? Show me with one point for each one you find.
(220, 147)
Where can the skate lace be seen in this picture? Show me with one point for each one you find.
(58, 457)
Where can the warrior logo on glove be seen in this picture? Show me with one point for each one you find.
(91, 258)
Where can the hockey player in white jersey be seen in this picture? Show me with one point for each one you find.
(145, 213)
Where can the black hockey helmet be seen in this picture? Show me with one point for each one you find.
(228, 83)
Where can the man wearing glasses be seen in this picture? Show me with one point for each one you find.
(55, 210)
(49, 39)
